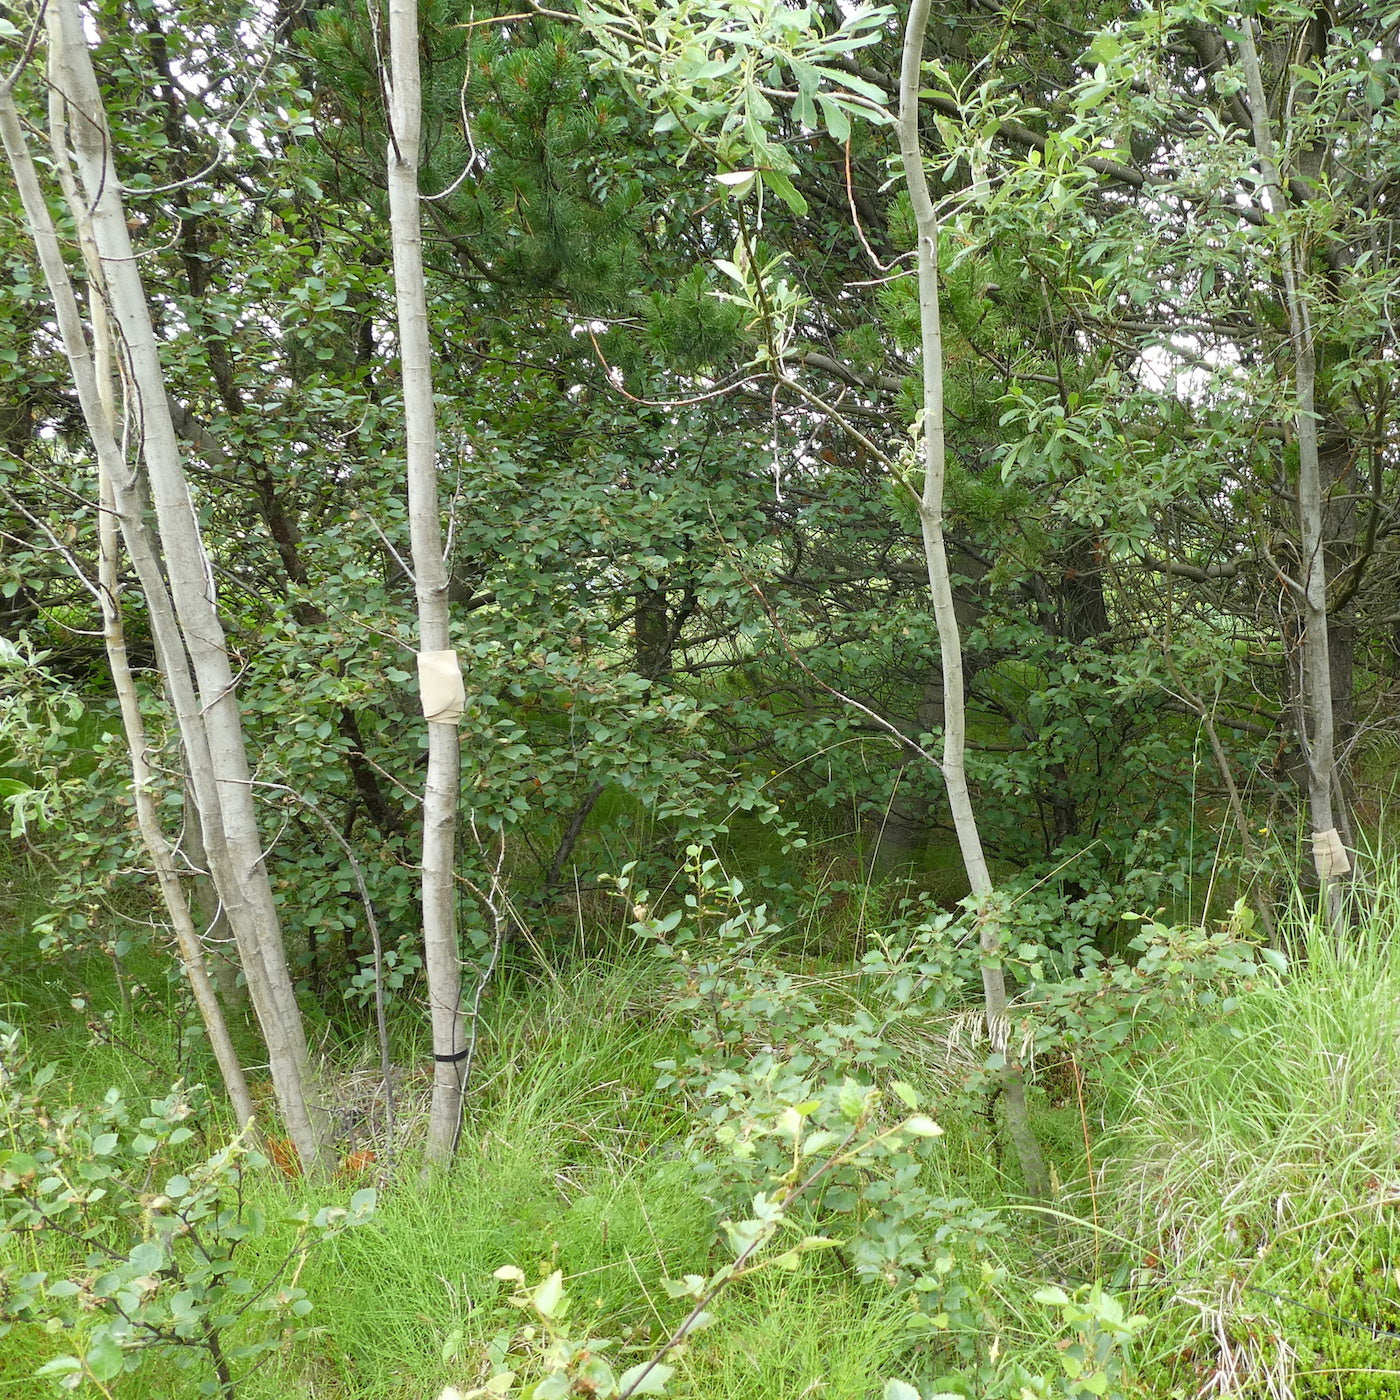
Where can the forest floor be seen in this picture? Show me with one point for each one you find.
(1237, 1192)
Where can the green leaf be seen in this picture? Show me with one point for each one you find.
(849, 80)
(59, 1366)
(104, 1358)
(900, 1390)
(785, 190)
(838, 124)
(147, 1257)
(740, 187)
(547, 1296)
(646, 1381)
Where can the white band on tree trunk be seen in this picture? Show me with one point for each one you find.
(1329, 855)
(440, 687)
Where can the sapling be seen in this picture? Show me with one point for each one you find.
(436, 658)
(989, 914)
(820, 1137)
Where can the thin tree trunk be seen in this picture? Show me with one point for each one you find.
(440, 794)
(220, 948)
(1033, 1172)
(1329, 855)
(142, 778)
(237, 878)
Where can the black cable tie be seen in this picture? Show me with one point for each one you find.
(453, 1059)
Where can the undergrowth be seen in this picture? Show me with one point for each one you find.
(1231, 1177)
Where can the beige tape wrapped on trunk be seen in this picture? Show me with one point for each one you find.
(440, 687)
(1329, 855)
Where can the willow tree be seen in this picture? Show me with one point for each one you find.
(712, 73)
(1318, 731)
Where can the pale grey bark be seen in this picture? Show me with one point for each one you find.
(158, 848)
(185, 625)
(953, 763)
(1311, 589)
(440, 794)
(96, 403)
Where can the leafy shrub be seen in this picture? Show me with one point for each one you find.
(156, 1242)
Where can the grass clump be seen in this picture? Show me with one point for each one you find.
(1257, 1163)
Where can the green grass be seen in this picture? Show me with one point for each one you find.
(571, 1160)
(1241, 1201)
(1257, 1163)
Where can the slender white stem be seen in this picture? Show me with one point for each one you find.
(440, 794)
(1316, 680)
(185, 624)
(954, 761)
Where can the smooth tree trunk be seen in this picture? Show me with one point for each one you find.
(440, 794)
(1033, 1171)
(158, 848)
(184, 624)
(1319, 739)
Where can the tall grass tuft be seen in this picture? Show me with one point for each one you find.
(1257, 1165)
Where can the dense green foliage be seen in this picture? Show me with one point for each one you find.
(726, 1061)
